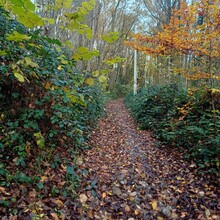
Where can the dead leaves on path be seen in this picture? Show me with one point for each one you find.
(124, 176)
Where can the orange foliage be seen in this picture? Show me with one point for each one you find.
(185, 35)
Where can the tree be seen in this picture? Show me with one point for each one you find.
(188, 37)
(161, 11)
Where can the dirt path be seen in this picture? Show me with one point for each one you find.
(126, 177)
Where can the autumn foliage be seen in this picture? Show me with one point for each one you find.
(194, 32)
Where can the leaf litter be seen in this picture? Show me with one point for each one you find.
(125, 176)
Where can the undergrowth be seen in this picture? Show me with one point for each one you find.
(46, 113)
(182, 118)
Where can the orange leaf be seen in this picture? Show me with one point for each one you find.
(103, 195)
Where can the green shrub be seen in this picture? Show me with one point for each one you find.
(51, 110)
(182, 119)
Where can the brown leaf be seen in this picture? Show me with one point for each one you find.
(54, 215)
(2, 189)
(127, 208)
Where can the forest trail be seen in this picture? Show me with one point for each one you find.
(125, 176)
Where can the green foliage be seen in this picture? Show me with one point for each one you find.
(24, 11)
(182, 119)
(83, 53)
(45, 106)
(114, 60)
(111, 37)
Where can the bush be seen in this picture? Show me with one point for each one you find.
(181, 118)
(45, 107)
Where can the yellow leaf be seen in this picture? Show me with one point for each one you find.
(64, 62)
(83, 198)
(154, 205)
(63, 167)
(143, 175)
(136, 211)
(79, 161)
(43, 178)
(47, 85)
(59, 68)
(89, 81)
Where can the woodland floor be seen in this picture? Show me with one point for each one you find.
(125, 176)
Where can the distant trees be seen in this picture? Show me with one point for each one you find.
(160, 11)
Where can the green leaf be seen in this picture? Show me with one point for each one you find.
(102, 79)
(89, 81)
(16, 2)
(95, 53)
(104, 72)
(83, 50)
(70, 170)
(28, 5)
(2, 52)
(40, 185)
(111, 37)
(49, 20)
(95, 73)
(29, 62)
(67, 3)
(114, 60)
(15, 36)
(83, 53)
(88, 33)
(68, 44)
(19, 76)
(40, 140)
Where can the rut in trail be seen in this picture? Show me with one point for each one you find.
(126, 177)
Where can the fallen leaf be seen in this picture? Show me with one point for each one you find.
(103, 195)
(136, 211)
(79, 161)
(116, 191)
(154, 205)
(133, 194)
(43, 178)
(54, 215)
(127, 208)
(83, 198)
(58, 202)
(2, 189)
(207, 213)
